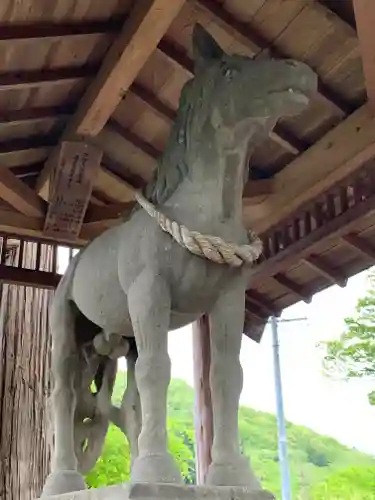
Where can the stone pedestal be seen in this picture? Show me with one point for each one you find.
(140, 491)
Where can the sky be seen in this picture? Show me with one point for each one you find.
(332, 407)
(336, 408)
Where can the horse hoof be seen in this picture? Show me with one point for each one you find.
(157, 468)
(234, 473)
(67, 481)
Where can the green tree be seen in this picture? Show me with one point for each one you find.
(353, 354)
(313, 459)
(354, 483)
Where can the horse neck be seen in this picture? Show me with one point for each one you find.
(217, 168)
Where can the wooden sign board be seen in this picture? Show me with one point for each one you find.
(71, 187)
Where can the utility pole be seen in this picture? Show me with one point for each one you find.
(286, 493)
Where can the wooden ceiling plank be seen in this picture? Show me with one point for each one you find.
(331, 230)
(19, 195)
(341, 152)
(326, 270)
(14, 32)
(252, 39)
(23, 144)
(8, 116)
(360, 245)
(263, 302)
(143, 29)
(129, 136)
(115, 211)
(141, 33)
(72, 186)
(364, 11)
(292, 287)
(38, 78)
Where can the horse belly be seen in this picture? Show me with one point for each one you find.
(96, 288)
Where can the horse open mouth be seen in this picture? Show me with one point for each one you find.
(298, 95)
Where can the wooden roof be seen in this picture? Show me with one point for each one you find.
(109, 74)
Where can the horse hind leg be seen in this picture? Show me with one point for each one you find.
(64, 477)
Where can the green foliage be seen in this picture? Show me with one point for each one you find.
(353, 354)
(114, 464)
(316, 462)
(353, 483)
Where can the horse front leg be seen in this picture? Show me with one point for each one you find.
(228, 467)
(149, 305)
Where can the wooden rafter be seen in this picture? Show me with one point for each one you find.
(140, 35)
(13, 32)
(326, 270)
(341, 152)
(336, 228)
(360, 245)
(292, 287)
(39, 78)
(365, 20)
(20, 196)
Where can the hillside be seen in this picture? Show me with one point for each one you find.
(315, 460)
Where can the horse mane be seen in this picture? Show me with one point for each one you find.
(172, 167)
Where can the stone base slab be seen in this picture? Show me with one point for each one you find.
(139, 491)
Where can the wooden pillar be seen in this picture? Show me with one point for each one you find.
(25, 348)
(203, 405)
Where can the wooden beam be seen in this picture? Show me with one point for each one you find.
(114, 187)
(72, 186)
(39, 113)
(262, 301)
(360, 245)
(256, 191)
(364, 11)
(46, 77)
(19, 195)
(341, 152)
(29, 277)
(332, 230)
(15, 32)
(292, 287)
(204, 431)
(33, 142)
(134, 139)
(18, 225)
(326, 270)
(142, 31)
(253, 326)
(115, 211)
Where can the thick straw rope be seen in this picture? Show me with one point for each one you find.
(211, 247)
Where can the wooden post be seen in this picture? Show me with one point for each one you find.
(25, 352)
(203, 405)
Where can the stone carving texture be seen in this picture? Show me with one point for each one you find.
(135, 282)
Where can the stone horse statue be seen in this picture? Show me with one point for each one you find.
(137, 281)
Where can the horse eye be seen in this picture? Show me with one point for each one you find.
(228, 73)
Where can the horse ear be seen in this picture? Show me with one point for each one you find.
(205, 48)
